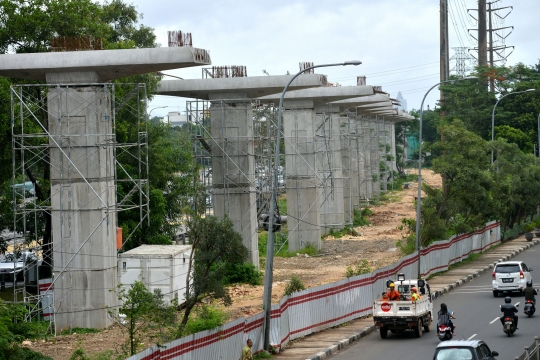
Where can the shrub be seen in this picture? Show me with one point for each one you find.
(245, 273)
(294, 285)
(207, 317)
(361, 268)
(407, 245)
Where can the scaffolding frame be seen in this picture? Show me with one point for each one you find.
(34, 149)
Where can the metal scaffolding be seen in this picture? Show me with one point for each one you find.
(49, 137)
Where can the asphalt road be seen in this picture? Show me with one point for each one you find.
(477, 313)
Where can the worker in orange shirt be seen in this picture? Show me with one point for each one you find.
(393, 294)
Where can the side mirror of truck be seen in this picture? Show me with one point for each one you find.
(421, 283)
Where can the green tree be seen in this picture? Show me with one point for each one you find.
(141, 314)
(464, 164)
(215, 243)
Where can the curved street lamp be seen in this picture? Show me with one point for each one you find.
(493, 116)
(268, 273)
(418, 200)
(159, 107)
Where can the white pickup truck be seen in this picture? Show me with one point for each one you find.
(398, 316)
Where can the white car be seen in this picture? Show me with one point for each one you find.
(11, 265)
(510, 276)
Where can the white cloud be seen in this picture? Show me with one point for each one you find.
(397, 41)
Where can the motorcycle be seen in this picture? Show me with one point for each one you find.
(445, 331)
(529, 308)
(509, 327)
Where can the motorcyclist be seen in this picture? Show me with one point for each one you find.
(444, 315)
(393, 294)
(530, 292)
(509, 310)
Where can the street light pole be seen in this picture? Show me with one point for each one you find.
(268, 274)
(159, 107)
(538, 139)
(493, 117)
(418, 200)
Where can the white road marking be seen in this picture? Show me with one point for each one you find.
(473, 335)
(497, 318)
(516, 304)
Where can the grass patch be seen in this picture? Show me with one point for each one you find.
(282, 203)
(467, 260)
(308, 250)
(263, 355)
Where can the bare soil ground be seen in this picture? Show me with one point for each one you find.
(375, 243)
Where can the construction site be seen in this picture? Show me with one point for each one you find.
(338, 154)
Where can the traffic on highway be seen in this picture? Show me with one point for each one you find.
(478, 308)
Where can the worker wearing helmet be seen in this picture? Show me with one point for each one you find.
(529, 292)
(509, 310)
(392, 294)
(414, 294)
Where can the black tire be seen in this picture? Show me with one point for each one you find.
(418, 329)
(495, 293)
(393, 331)
(427, 328)
(383, 331)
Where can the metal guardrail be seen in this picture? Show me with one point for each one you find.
(531, 352)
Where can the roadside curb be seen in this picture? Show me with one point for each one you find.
(468, 278)
(326, 353)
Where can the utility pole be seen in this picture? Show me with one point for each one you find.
(482, 32)
(491, 81)
(444, 56)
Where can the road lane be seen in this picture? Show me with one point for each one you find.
(477, 313)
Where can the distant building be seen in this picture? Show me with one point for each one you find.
(402, 100)
(176, 118)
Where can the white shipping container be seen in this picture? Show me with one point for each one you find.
(162, 267)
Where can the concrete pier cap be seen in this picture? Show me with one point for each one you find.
(237, 87)
(105, 65)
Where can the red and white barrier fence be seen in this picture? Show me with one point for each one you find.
(321, 307)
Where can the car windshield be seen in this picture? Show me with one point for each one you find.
(507, 269)
(453, 354)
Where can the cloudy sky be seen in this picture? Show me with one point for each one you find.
(397, 41)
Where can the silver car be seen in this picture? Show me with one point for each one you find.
(12, 265)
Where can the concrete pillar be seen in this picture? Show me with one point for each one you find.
(233, 169)
(82, 204)
(374, 157)
(329, 167)
(366, 157)
(349, 163)
(303, 184)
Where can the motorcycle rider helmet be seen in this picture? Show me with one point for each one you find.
(529, 283)
(507, 299)
(413, 289)
(392, 285)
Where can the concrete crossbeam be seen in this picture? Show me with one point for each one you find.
(63, 67)
(237, 87)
